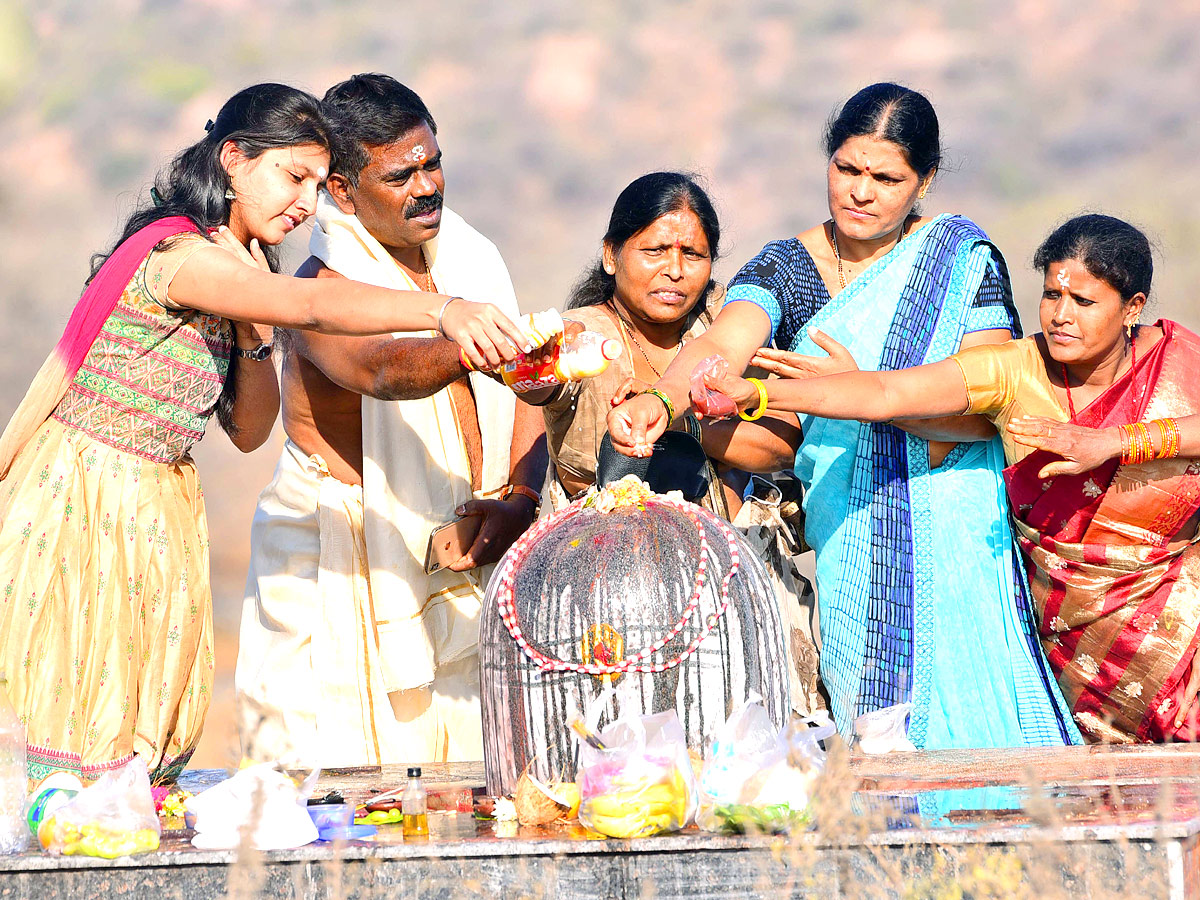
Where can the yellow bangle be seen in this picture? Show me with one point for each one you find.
(762, 402)
(666, 401)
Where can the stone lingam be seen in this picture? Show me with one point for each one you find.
(623, 598)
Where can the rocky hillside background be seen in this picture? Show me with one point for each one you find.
(546, 110)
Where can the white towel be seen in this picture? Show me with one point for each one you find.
(415, 468)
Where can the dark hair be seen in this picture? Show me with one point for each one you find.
(890, 112)
(370, 110)
(642, 203)
(257, 119)
(1109, 248)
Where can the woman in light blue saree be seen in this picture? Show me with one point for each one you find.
(921, 596)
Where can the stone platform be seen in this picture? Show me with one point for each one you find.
(1079, 822)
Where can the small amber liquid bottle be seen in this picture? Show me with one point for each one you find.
(416, 817)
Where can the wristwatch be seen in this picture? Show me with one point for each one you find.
(258, 354)
(524, 491)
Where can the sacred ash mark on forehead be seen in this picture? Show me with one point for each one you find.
(418, 154)
(1064, 278)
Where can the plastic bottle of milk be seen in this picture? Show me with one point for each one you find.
(542, 326)
(585, 356)
(13, 832)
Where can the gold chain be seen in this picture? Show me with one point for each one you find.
(838, 256)
(426, 275)
(626, 330)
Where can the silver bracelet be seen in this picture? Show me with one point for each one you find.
(442, 312)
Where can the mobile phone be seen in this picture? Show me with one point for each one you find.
(448, 543)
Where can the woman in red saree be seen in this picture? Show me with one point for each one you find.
(1100, 420)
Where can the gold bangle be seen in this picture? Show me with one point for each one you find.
(1145, 447)
(666, 401)
(762, 402)
(1165, 439)
(1170, 432)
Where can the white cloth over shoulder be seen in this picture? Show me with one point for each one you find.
(415, 467)
(309, 681)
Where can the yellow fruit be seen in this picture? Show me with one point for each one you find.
(568, 793)
(145, 840)
(45, 832)
(631, 826)
(618, 827)
(613, 805)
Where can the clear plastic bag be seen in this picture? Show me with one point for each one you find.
(884, 730)
(710, 403)
(757, 778)
(114, 817)
(640, 781)
(260, 806)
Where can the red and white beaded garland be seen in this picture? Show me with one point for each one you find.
(505, 599)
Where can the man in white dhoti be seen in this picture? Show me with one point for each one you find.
(351, 654)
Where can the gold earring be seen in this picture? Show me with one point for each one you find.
(1129, 330)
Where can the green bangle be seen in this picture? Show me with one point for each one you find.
(666, 401)
(762, 402)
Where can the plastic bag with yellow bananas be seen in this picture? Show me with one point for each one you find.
(635, 778)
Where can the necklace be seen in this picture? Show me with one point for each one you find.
(426, 275)
(838, 256)
(423, 279)
(1067, 384)
(627, 332)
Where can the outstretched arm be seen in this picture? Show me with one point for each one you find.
(959, 428)
(923, 392)
(213, 280)
(739, 329)
(765, 446)
(786, 364)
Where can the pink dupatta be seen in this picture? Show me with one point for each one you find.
(87, 318)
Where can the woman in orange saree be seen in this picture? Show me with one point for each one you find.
(1100, 420)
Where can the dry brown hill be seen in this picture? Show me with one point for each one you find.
(546, 110)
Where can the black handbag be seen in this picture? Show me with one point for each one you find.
(677, 463)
